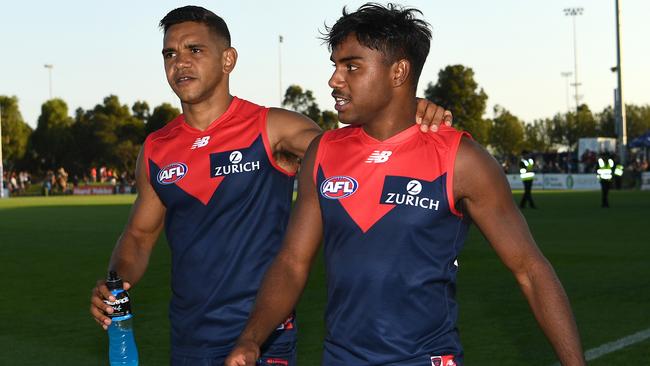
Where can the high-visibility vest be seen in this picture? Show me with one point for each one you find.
(618, 170)
(526, 172)
(605, 169)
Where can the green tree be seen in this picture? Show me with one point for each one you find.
(53, 137)
(160, 116)
(304, 102)
(329, 120)
(606, 122)
(537, 135)
(141, 111)
(637, 120)
(301, 102)
(585, 124)
(457, 91)
(507, 133)
(15, 132)
(109, 135)
(558, 129)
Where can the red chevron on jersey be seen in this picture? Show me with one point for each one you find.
(344, 154)
(198, 161)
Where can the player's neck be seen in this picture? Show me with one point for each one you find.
(201, 115)
(395, 118)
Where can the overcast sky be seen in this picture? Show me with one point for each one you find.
(518, 50)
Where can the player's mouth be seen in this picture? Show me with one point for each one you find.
(340, 101)
(184, 80)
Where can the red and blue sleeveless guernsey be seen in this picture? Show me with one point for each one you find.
(227, 207)
(391, 239)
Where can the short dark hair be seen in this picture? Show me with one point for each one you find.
(392, 30)
(197, 14)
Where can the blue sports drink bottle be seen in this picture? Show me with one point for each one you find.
(122, 350)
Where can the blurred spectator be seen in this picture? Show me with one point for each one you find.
(13, 183)
(102, 174)
(48, 183)
(25, 179)
(62, 180)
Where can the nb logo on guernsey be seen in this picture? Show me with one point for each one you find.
(413, 189)
(200, 142)
(338, 187)
(172, 173)
(379, 156)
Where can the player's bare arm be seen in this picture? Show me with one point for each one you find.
(482, 190)
(286, 278)
(131, 253)
(290, 134)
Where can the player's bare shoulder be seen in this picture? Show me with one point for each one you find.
(476, 172)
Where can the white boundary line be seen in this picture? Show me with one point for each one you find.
(616, 345)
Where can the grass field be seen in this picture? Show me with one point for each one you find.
(54, 248)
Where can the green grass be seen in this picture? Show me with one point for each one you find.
(53, 249)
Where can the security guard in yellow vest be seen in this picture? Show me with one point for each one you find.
(605, 174)
(527, 176)
(618, 175)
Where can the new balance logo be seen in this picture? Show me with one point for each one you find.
(379, 156)
(200, 142)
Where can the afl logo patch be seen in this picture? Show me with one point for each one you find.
(338, 187)
(172, 173)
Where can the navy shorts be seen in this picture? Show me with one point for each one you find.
(280, 359)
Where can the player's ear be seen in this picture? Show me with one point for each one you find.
(401, 70)
(229, 59)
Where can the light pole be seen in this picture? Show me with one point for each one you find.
(566, 75)
(280, 39)
(49, 68)
(573, 12)
(622, 142)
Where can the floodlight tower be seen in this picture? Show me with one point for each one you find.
(566, 75)
(49, 68)
(574, 12)
(622, 134)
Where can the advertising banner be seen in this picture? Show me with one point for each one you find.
(558, 181)
(93, 190)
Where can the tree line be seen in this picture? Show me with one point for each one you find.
(111, 133)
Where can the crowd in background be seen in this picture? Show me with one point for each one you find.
(60, 182)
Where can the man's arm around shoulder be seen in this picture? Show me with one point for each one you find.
(290, 132)
(483, 191)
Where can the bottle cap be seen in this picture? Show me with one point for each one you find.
(113, 281)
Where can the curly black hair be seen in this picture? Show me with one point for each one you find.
(392, 30)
